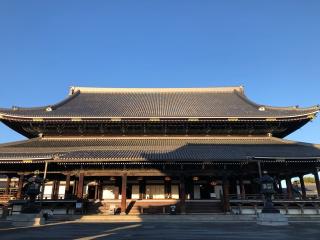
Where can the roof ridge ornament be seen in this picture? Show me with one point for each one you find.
(262, 108)
(71, 90)
(48, 109)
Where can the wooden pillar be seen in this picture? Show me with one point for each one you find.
(225, 187)
(259, 169)
(116, 188)
(96, 191)
(75, 187)
(167, 187)
(182, 195)
(316, 178)
(20, 186)
(100, 189)
(124, 194)
(7, 190)
(242, 189)
(280, 185)
(55, 190)
(289, 187)
(43, 185)
(142, 188)
(80, 186)
(67, 189)
(191, 187)
(237, 189)
(303, 187)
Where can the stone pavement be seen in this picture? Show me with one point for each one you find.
(165, 230)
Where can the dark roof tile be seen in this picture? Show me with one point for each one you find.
(162, 103)
(159, 149)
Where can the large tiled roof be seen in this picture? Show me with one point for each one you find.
(161, 103)
(157, 149)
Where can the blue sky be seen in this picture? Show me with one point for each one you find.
(270, 47)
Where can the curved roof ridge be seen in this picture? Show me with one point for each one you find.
(74, 89)
(81, 138)
(9, 144)
(288, 141)
(314, 107)
(257, 105)
(44, 107)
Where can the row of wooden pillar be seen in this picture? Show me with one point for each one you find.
(302, 185)
(79, 184)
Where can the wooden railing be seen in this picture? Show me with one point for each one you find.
(6, 198)
(12, 191)
(275, 197)
(286, 206)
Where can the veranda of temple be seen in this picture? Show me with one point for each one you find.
(144, 150)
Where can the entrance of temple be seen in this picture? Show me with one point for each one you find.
(91, 192)
(203, 191)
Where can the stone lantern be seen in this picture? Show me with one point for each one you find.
(33, 187)
(267, 189)
(269, 216)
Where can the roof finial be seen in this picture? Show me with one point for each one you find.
(71, 90)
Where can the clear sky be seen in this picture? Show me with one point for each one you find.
(270, 47)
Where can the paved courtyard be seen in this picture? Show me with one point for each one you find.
(148, 230)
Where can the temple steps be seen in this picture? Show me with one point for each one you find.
(136, 207)
(203, 207)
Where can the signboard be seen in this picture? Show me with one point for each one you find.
(78, 205)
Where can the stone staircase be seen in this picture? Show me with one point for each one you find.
(137, 207)
(203, 206)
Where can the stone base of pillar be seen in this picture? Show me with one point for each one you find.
(26, 219)
(272, 219)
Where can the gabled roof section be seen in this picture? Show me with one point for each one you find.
(216, 102)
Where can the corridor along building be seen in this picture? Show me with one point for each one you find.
(142, 150)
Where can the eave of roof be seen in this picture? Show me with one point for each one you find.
(151, 149)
